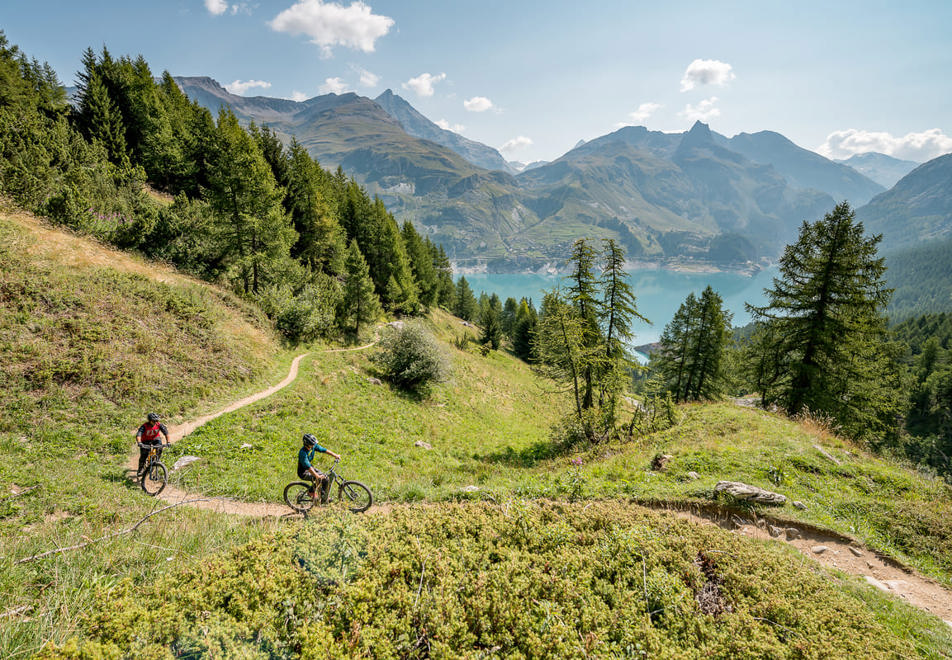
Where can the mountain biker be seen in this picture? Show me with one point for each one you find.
(305, 470)
(148, 434)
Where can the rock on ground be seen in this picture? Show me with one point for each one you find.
(744, 491)
(185, 460)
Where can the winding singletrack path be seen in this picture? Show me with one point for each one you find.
(843, 554)
(174, 495)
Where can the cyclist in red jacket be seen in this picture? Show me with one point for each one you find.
(148, 434)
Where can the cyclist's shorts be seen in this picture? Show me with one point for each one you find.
(307, 476)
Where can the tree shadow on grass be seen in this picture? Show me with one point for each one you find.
(532, 455)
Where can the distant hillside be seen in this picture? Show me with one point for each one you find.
(922, 279)
(884, 170)
(419, 126)
(671, 194)
(805, 169)
(665, 196)
(916, 210)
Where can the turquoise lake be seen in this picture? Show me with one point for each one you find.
(659, 292)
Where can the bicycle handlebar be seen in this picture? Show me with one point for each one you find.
(145, 445)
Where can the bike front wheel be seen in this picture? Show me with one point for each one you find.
(154, 478)
(356, 496)
(299, 496)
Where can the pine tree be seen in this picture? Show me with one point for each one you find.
(507, 318)
(100, 118)
(359, 304)
(465, 305)
(524, 329)
(825, 315)
(691, 358)
(258, 235)
(492, 331)
(582, 292)
(320, 243)
(616, 314)
(446, 290)
(421, 262)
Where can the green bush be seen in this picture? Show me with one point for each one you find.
(307, 315)
(410, 358)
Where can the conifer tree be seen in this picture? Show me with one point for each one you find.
(616, 314)
(446, 290)
(320, 243)
(825, 312)
(101, 119)
(691, 358)
(524, 329)
(258, 235)
(492, 331)
(359, 303)
(465, 306)
(582, 292)
(507, 318)
(421, 262)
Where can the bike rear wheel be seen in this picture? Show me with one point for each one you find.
(154, 478)
(355, 495)
(298, 496)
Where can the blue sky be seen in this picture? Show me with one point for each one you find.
(534, 77)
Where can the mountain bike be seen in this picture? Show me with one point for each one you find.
(154, 476)
(302, 495)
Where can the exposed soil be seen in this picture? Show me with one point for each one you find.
(841, 552)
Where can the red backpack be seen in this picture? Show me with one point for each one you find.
(150, 435)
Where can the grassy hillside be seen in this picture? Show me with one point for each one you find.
(492, 404)
(555, 558)
(516, 579)
(90, 339)
(489, 433)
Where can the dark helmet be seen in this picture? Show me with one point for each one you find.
(153, 417)
(309, 440)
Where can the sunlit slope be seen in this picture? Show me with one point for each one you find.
(405, 446)
(91, 337)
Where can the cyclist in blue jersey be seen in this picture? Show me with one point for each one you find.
(305, 467)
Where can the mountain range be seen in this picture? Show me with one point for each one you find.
(696, 196)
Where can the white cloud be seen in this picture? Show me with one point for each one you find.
(422, 85)
(329, 24)
(334, 86)
(516, 143)
(446, 126)
(216, 7)
(919, 147)
(640, 116)
(367, 79)
(478, 104)
(703, 111)
(299, 96)
(239, 87)
(706, 72)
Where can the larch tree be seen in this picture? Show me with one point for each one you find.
(257, 234)
(825, 315)
(359, 303)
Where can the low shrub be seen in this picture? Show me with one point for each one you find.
(411, 358)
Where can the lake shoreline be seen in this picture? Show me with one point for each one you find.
(750, 269)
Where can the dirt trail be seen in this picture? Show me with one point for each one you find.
(174, 495)
(841, 552)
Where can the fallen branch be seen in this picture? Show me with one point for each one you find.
(23, 609)
(19, 493)
(113, 535)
